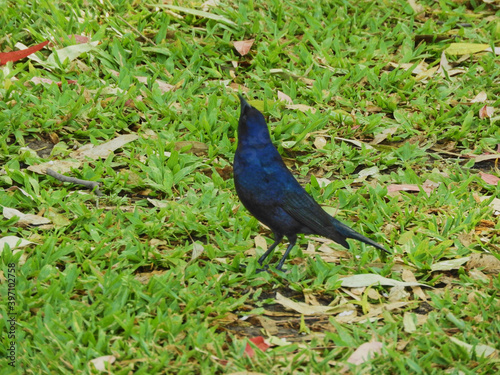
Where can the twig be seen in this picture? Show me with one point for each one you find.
(92, 185)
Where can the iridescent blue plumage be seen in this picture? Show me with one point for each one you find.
(269, 191)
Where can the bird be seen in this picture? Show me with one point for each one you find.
(270, 192)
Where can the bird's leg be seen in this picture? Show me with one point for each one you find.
(292, 240)
(277, 240)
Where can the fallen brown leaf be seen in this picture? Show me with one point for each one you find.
(243, 46)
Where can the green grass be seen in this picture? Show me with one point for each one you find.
(115, 275)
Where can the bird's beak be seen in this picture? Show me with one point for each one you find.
(244, 105)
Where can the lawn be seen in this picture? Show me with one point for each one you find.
(386, 111)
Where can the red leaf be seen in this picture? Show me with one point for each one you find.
(489, 178)
(249, 350)
(78, 38)
(18, 55)
(393, 188)
(259, 343)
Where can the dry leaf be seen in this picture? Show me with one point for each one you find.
(13, 242)
(495, 204)
(398, 293)
(426, 74)
(162, 85)
(101, 363)
(197, 250)
(284, 98)
(408, 323)
(268, 324)
(408, 276)
(59, 166)
(417, 8)
(209, 4)
(478, 349)
(368, 279)
(394, 188)
(450, 264)
(24, 219)
(364, 353)
(380, 137)
(485, 157)
(486, 112)
(305, 309)
(196, 147)
(238, 88)
(260, 242)
(489, 178)
(479, 98)
(244, 46)
(320, 142)
(103, 150)
(355, 143)
(486, 262)
(301, 107)
(443, 64)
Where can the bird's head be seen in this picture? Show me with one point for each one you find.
(252, 127)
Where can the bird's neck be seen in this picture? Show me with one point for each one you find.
(253, 136)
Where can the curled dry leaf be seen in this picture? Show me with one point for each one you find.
(320, 143)
(243, 46)
(486, 112)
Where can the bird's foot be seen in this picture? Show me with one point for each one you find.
(263, 269)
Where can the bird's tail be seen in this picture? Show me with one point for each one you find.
(344, 232)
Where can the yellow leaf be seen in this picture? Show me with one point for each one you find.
(465, 48)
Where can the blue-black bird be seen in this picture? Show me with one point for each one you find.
(267, 188)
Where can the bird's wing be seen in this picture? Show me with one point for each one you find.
(303, 208)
